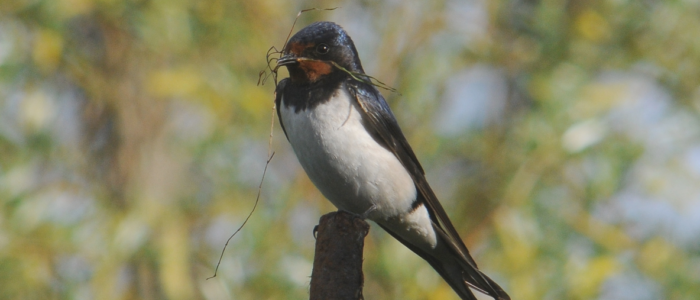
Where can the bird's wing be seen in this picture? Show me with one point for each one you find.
(380, 118)
(279, 90)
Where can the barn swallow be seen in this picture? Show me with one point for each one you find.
(350, 145)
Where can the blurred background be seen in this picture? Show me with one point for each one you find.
(562, 136)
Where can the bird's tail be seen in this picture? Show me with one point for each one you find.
(457, 268)
(461, 279)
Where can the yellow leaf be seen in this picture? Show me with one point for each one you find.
(48, 47)
(71, 8)
(592, 26)
(170, 83)
(585, 281)
(514, 232)
(255, 101)
(525, 286)
(174, 260)
(655, 255)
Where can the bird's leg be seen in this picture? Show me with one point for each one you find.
(363, 215)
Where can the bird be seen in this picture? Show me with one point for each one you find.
(350, 145)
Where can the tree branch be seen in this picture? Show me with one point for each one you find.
(337, 271)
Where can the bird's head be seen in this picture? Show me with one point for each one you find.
(318, 51)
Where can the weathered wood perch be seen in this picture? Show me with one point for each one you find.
(337, 272)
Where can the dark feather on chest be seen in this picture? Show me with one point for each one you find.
(303, 97)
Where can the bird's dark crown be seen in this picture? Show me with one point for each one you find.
(311, 53)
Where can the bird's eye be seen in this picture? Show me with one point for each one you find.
(322, 49)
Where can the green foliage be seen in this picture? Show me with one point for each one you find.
(562, 137)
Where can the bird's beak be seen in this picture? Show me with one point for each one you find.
(288, 59)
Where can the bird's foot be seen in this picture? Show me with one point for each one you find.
(315, 231)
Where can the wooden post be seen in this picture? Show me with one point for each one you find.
(337, 272)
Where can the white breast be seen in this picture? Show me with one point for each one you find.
(345, 162)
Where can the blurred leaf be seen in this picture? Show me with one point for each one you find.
(174, 83)
(47, 49)
(593, 26)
